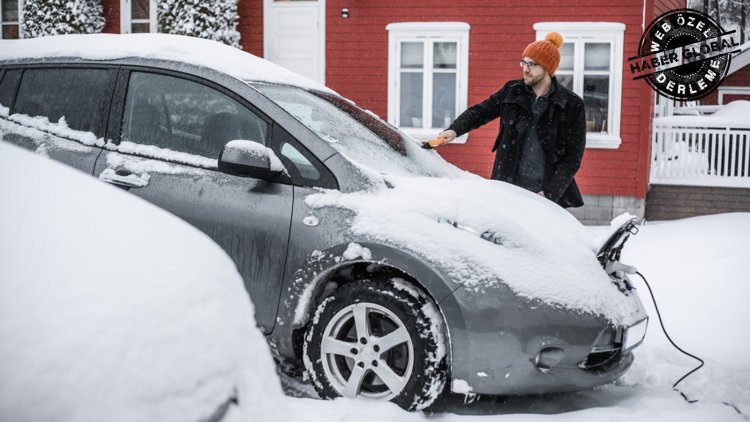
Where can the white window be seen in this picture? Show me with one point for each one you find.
(10, 20)
(591, 66)
(428, 66)
(137, 16)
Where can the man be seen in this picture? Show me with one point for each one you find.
(542, 127)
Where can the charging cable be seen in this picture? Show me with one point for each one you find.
(674, 386)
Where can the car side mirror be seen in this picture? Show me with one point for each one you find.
(251, 159)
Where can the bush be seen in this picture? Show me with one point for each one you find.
(57, 17)
(213, 20)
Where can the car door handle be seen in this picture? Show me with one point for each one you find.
(124, 178)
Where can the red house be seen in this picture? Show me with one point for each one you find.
(421, 63)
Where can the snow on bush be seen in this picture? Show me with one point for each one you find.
(214, 20)
(58, 17)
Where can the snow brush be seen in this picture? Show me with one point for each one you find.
(434, 143)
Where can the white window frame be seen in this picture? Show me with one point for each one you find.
(19, 23)
(431, 32)
(579, 33)
(126, 12)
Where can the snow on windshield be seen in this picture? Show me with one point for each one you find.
(359, 135)
(483, 232)
(206, 53)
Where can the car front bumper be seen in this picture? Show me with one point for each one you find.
(502, 344)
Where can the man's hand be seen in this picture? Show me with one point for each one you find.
(443, 138)
(540, 193)
(448, 135)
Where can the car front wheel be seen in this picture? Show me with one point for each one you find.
(377, 339)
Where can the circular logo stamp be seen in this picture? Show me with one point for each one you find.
(684, 55)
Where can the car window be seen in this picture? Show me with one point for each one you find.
(8, 87)
(77, 95)
(186, 116)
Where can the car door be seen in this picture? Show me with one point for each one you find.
(172, 129)
(59, 111)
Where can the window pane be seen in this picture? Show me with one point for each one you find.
(443, 99)
(567, 56)
(596, 56)
(78, 95)
(411, 100)
(445, 55)
(140, 28)
(10, 32)
(10, 10)
(295, 158)
(139, 9)
(8, 87)
(412, 55)
(565, 80)
(596, 100)
(185, 116)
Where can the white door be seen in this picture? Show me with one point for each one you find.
(294, 36)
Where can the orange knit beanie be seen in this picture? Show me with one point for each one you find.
(546, 52)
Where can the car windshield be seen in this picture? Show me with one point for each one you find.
(358, 135)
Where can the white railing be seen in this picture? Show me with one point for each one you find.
(701, 156)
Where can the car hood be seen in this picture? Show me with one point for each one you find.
(483, 232)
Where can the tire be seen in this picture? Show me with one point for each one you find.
(383, 340)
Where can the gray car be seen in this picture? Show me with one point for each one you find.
(382, 270)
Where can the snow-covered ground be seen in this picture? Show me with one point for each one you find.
(52, 372)
(696, 268)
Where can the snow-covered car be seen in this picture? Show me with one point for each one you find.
(374, 264)
(112, 309)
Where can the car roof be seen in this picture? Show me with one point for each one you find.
(191, 50)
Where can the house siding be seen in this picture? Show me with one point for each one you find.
(357, 67)
(111, 11)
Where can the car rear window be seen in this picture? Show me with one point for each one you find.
(79, 96)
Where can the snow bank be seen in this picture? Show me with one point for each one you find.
(695, 267)
(112, 309)
(732, 115)
(211, 54)
(536, 248)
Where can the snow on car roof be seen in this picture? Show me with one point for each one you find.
(196, 51)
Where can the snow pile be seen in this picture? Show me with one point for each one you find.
(112, 309)
(57, 17)
(483, 232)
(214, 20)
(732, 115)
(180, 48)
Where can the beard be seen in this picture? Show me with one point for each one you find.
(531, 81)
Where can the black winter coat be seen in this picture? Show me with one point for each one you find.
(562, 131)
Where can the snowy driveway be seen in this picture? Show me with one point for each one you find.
(696, 269)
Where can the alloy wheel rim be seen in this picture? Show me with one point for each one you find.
(367, 352)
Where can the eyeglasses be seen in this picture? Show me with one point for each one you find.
(530, 65)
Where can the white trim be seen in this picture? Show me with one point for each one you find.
(321, 30)
(126, 12)
(19, 22)
(600, 32)
(428, 32)
(583, 27)
(732, 90)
